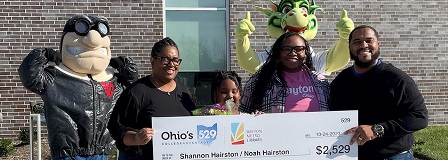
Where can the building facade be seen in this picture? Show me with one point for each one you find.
(413, 37)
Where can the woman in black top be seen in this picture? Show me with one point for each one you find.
(157, 95)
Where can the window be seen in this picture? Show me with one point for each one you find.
(200, 28)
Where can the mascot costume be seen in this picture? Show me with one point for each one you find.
(293, 16)
(79, 90)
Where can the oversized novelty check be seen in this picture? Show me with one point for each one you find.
(285, 136)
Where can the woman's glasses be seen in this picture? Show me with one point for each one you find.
(296, 49)
(166, 60)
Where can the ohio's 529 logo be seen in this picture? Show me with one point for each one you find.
(345, 120)
(206, 134)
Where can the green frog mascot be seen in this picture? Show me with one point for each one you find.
(293, 16)
(78, 88)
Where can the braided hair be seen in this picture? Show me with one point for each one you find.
(220, 76)
(158, 46)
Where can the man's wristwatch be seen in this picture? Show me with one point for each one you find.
(378, 130)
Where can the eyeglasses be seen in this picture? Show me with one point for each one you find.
(166, 60)
(361, 42)
(296, 49)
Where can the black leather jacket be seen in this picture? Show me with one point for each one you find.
(76, 110)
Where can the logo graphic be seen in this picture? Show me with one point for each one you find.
(206, 135)
(108, 88)
(237, 136)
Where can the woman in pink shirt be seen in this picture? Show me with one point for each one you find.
(287, 82)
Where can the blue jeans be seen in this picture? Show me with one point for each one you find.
(94, 157)
(124, 156)
(406, 155)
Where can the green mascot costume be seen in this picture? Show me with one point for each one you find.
(79, 90)
(293, 16)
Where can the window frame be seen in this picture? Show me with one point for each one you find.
(227, 24)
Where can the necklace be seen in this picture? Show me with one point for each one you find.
(167, 92)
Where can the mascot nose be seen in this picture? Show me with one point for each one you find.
(93, 39)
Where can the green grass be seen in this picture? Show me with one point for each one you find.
(431, 143)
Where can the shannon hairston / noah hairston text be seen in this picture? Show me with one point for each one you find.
(265, 153)
(234, 154)
(207, 155)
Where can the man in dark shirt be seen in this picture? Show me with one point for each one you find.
(390, 106)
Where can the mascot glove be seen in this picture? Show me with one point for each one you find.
(123, 62)
(52, 55)
(345, 25)
(244, 27)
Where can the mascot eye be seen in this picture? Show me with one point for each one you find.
(304, 9)
(102, 28)
(286, 9)
(82, 27)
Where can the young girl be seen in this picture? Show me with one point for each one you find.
(226, 86)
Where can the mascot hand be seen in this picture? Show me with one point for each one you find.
(244, 27)
(117, 62)
(345, 25)
(52, 55)
(123, 63)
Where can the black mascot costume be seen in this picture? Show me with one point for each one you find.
(79, 90)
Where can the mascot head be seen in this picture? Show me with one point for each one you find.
(85, 44)
(293, 16)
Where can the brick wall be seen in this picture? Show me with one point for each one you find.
(413, 35)
(25, 25)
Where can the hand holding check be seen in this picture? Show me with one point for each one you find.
(362, 134)
(143, 136)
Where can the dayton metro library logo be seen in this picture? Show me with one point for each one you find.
(237, 136)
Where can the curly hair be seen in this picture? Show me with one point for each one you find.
(273, 65)
(220, 77)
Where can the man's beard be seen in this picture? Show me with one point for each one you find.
(367, 64)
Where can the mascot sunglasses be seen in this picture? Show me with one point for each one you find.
(82, 24)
